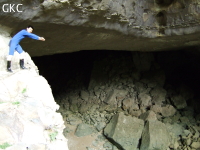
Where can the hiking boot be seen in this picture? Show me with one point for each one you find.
(21, 63)
(9, 66)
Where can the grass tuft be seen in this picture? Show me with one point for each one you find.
(5, 145)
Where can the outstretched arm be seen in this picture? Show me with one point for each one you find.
(41, 38)
(31, 35)
(34, 36)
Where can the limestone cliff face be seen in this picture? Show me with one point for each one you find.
(70, 25)
(29, 120)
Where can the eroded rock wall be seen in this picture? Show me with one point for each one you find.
(140, 18)
(68, 26)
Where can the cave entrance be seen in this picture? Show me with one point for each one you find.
(181, 67)
(61, 70)
(92, 86)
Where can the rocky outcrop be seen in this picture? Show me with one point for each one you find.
(27, 108)
(145, 25)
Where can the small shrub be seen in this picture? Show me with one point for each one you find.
(24, 90)
(53, 135)
(15, 103)
(4, 145)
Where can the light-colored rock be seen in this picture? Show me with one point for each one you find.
(194, 132)
(176, 145)
(129, 104)
(7, 136)
(23, 146)
(126, 104)
(175, 129)
(188, 141)
(112, 96)
(149, 115)
(155, 136)
(135, 113)
(58, 144)
(195, 145)
(84, 95)
(168, 111)
(84, 130)
(156, 108)
(144, 99)
(125, 131)
(20, 146)
(100, 126)
(28, 109)
(48, 5)
(32, 133)
(37, 147)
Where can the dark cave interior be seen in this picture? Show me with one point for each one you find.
(180, 67)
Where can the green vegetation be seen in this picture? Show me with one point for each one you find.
(15, 103)
(53, 135)
(24, 90)
(4, 145)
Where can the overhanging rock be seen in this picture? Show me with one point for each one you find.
(69, 26)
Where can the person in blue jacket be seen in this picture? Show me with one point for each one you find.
(14, 45)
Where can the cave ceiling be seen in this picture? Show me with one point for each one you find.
(133, 25)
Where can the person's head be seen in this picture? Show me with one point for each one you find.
(30, 29)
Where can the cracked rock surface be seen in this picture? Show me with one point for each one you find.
(68, 25)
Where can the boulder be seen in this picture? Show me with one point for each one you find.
(84, 95)
(144, 99)
(129, 104)
(179, 101)
(149, 115)
(156, 108)
(125, 131)
(168, 111)
(84, 130)
(100, 126)
(175, 129)
(155, 136)
(158, 95)
(113, 95)
(195, 145)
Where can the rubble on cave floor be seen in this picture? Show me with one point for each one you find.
(128, 105)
